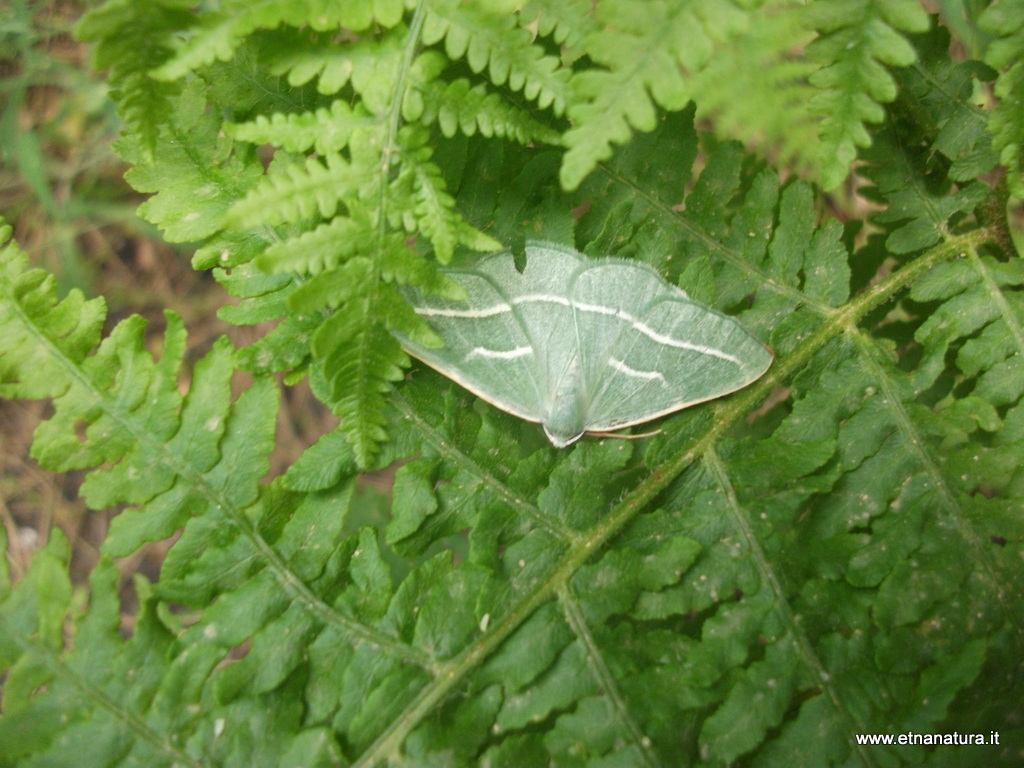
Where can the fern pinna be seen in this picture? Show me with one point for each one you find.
(831, 553)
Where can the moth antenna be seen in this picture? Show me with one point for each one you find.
(621, 436)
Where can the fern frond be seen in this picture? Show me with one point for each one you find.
(326, 130)
(334, 322)
(132, 40)
(120, 413)
(267, 297)
(1005, 20)
(490, 40)
(433, 211)
(101, 686)
(371, 66)
(932, 136)
(191, 195)
(858, 41)
(293, 191)
(124, 697)
(219, 33)
(459, 107)
(922, 213)
(320, 249)
(756, 90)
(355, 355)
(644, 49)
(567, 22)
(978, 324)
(944, 95)
(357, 359)
(72, 326)
(360, 358)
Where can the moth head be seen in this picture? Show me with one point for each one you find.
(565, 425)
(561, 439)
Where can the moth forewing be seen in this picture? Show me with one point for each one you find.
(583, 344)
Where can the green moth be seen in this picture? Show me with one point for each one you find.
(581, 344)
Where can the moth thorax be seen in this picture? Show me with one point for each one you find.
(565, 425)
